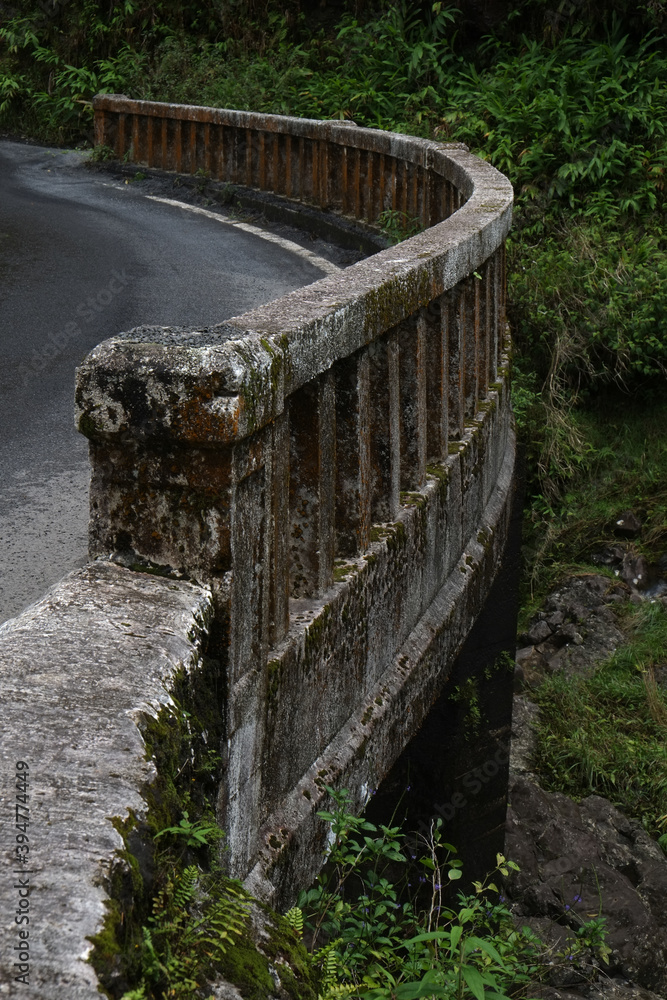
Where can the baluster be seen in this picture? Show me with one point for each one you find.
(357, 183)
(353, 455)
(301, 191)
(345, 172)
(209, 154)
(261, 160)
(482, 332)
(384, 395)
(277, 171)
(369, 188)
(247, 175)
(134, 143)
(178, 145)
(412, 405)
(150, 154)
(192, 149)
(311, 487)
(494, 318)
(279, 590)
(120, 136)
(436, 320)
(382, 184)
(456, 325)
(164, 144)
(288, 166)
(470, 346)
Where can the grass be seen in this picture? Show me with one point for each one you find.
(620, 463)
(607, 734)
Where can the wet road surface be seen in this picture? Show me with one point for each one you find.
(83, 256)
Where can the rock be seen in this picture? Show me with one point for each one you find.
(610, 555)
(538, 633)
(525, 715)
(628, 525)
(531, 668)
(568, 634)
(582, 629)
(578, 860)
(634, 570)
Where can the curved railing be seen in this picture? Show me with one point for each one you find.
(257, 455)
(320, 489)
(412, 337)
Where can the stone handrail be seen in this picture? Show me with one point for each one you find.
(419, 327)
(254, 455)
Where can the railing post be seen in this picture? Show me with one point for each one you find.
(385, 435)
(470, 325)
(312, 418)
(456, 325)
(412, 336)
(436, 318)
(353, 454)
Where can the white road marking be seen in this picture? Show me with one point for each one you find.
(312, 258)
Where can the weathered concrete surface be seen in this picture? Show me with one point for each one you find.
(348, 698)
(76, 671)
(335, 467)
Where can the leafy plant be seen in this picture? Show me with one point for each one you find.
(195, 919)
(398, 225)
(197, 834)
(381, 926)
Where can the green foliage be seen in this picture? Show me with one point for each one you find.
(195, 919)
(398, 225)
(607, 734)
(620, 463)
(197, 834)
(380, 926)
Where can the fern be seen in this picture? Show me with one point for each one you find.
(294, 918)
(185, 888)
(195, 919)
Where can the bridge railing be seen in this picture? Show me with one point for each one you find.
(352, 385)
(255, 454)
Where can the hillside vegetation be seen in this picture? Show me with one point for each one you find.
(569, 99)
(570, 104)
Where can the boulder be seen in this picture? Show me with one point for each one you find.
(581, 860)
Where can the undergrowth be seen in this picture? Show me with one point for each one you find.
(607, 734)
(621, 464)
(384, 921)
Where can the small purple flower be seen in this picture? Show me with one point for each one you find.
(501, 899)
(408, 788)
(567, 907)
(576, 899)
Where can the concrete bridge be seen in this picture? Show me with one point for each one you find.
(296, 519)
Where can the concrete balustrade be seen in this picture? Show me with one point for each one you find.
(333, 470)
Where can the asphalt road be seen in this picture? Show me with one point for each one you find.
(83, 256)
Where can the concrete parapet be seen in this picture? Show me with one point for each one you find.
(326, 478)
(80, 671)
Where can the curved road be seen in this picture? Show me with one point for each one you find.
(84, 256)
